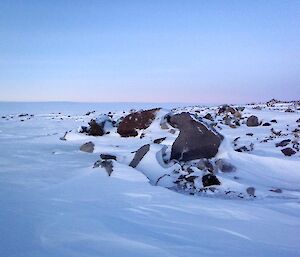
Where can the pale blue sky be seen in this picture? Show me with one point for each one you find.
(149, 51)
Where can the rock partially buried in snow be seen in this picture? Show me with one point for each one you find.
(140, 153)
(288, 151)
(87, 147)
(225, 166)
(210, 180)
(251, 191)
(138, 120)
(252, 121)
(195, 140)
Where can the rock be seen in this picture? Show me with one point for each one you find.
(298, 120)
(288, 151)
(108, 157)
(249, 134)
(266, 124)
(225, 166)
(172, 131)
(138, 120)
(195, 140)
(140, 153)
(226, 108)
(283, 143)
(210, 180)
(273, 121)
(276, 190)
(159, 140)
(252, 121)
(164, 125)
(250, 191)
(208, 117)
(63, 138)
(108, 166)
(87, 147)
(205, 164)
(95, 129)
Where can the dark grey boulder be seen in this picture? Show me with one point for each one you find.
(252, 121)
(108, 157)
(159, 140)
(195, 141)
(139, 154)
(87, 147)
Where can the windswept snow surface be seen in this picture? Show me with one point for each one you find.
(53, 203)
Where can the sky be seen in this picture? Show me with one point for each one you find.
(149, 50)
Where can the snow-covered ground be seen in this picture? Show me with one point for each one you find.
(54, 203)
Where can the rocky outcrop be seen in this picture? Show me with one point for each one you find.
(195, 141)
(138, 120)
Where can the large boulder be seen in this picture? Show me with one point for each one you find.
(195, 141)
(138, 120)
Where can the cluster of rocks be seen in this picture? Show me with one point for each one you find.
(195, 148)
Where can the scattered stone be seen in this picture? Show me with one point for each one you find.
(266, 124)
(288, 151)
(252, 121)
(195, 140)
(208, 117)
(276, 133)
(276, 190)
(87, 147)
(225, 166)
(108, 157)
(249, 134)
(205, 164)
(283, 143)
(63, 138)
(138, 120)
(159, 140)
(108, 166)
(210, 180)
(273, 121)
(298, 120)
(172, 131)
(164, 125)
(251, 191)
(140, 153)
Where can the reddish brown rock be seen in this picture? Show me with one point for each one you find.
(138, 120)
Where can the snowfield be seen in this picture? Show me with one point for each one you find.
(55, 203)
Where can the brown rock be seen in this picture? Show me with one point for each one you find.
(138, 120)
